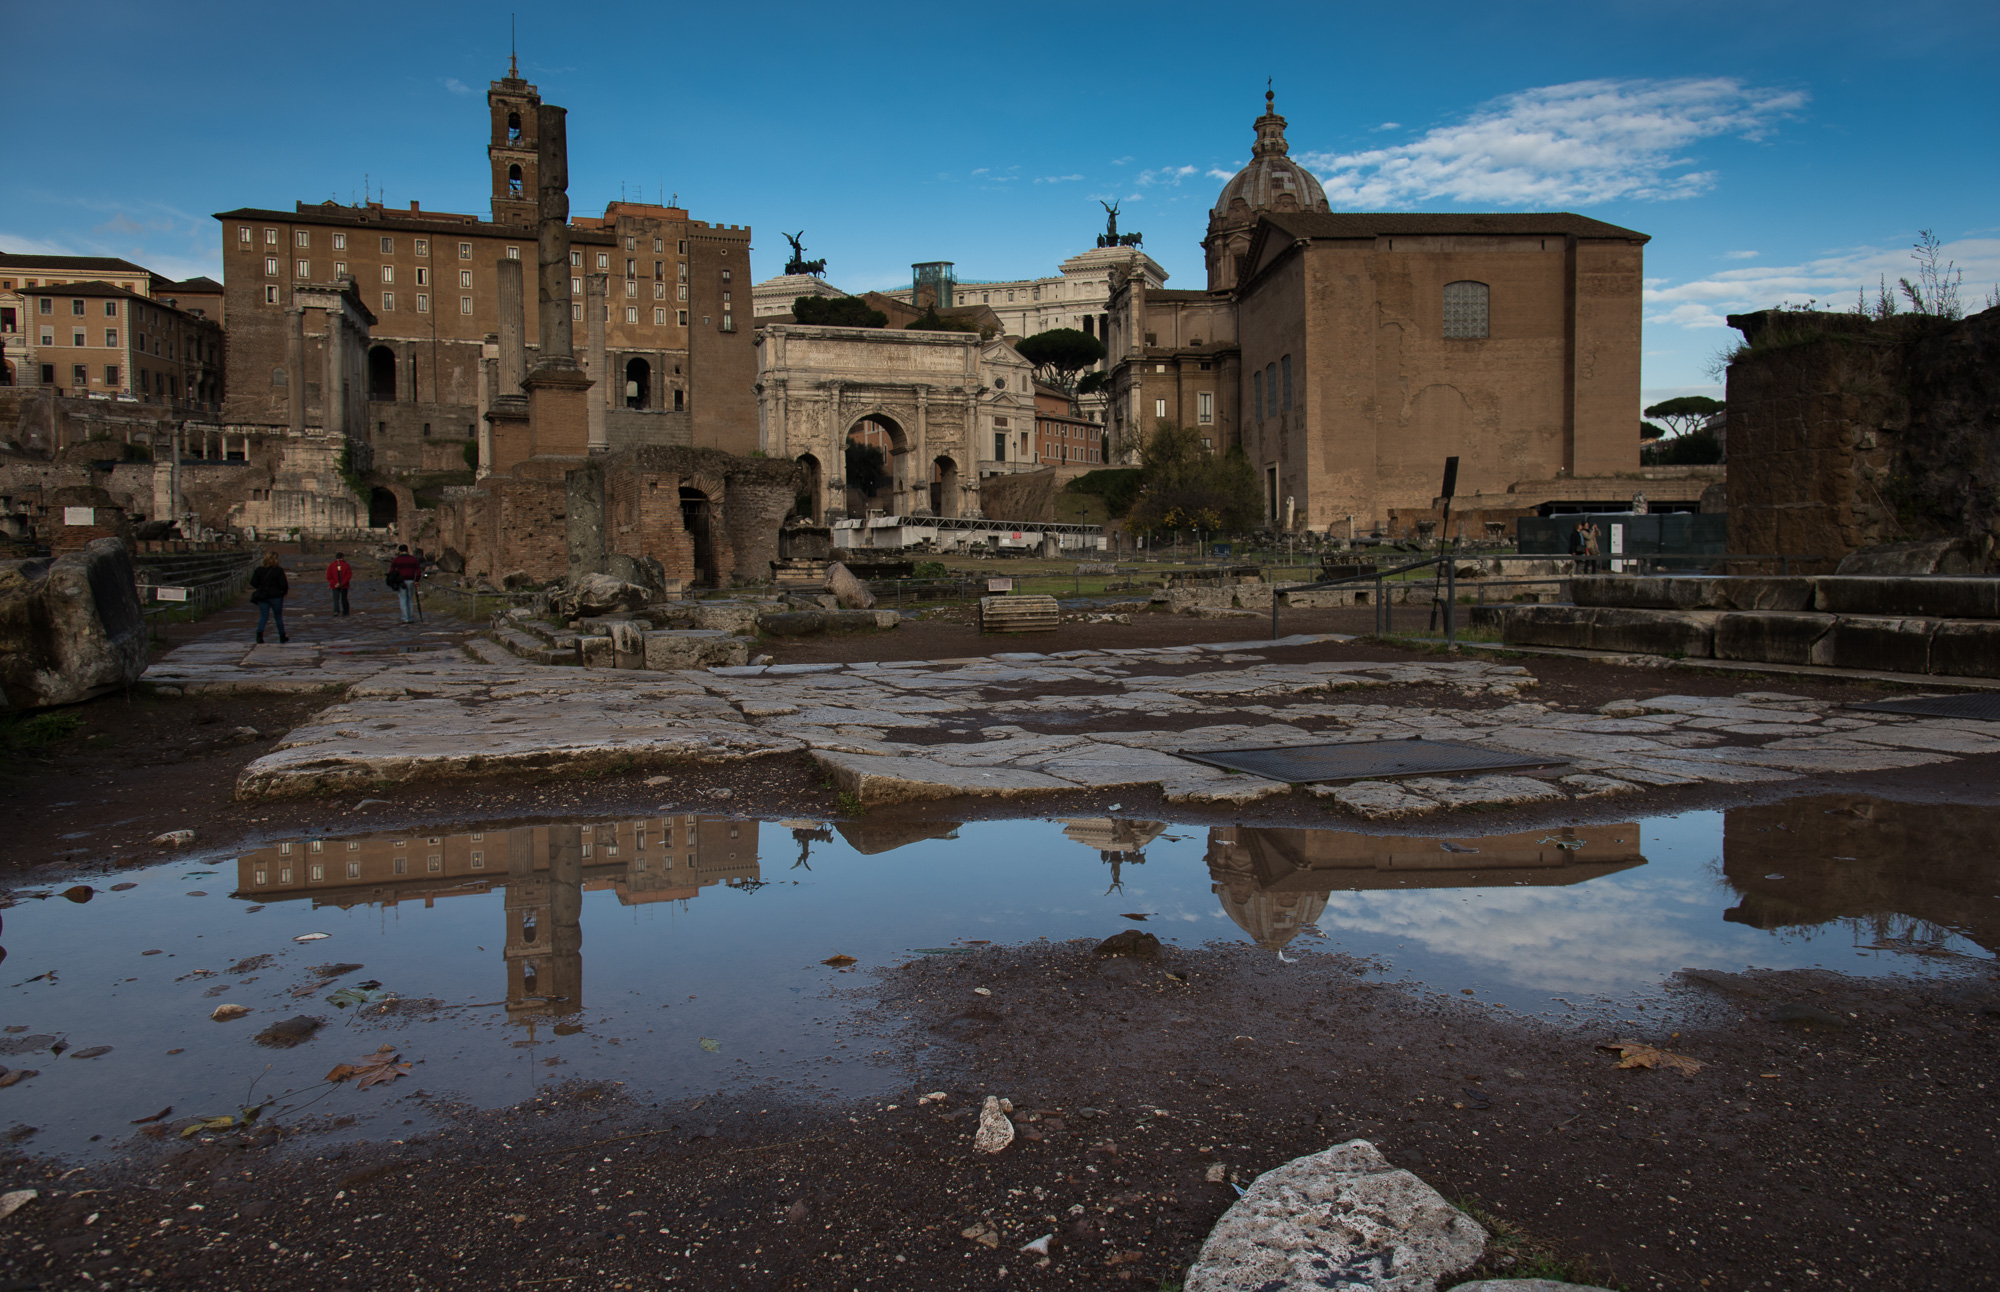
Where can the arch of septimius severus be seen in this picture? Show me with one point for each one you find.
(953, 409)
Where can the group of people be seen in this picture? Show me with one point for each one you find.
(1585, 546)
(269, 587)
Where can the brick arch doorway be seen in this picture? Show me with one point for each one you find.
(382, 373)
(698, 519)
(875, 451)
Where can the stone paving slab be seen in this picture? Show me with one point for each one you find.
(457, 711)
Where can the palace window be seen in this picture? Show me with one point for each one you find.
(271, 265)
(1467, 311)
(340, 269)
(631, 287)
(423, 303)
(576, 287)
(631, 314)
(513, 253)
(465, 278)
(271, 294)
(1204, 404)
(423, 246)
(388, 246)
(243, 234)
(110, 374)
(465, 251)
(388, 273)
(302, 238)
(423, 276)
(111, 338)
(270, 237)
(603, 260)
(465, 305)
(1159, 408)
(683, 316)
(302, 269)
(388, 302)
(659, 318)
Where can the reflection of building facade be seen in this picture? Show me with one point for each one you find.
(1273, 882)
(1119, 840)
(1906, 875)
(544, 870)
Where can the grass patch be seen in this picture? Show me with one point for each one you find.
(1514, 1253)
(850, 804)
(18, 735)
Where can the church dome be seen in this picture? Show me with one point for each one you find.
(1272, 181)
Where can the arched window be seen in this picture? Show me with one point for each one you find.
(513, 127)
(514, 180)
(1465, 311)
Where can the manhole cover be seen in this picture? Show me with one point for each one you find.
(1982, 708)
(1376, 760)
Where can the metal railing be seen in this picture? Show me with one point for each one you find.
(199, 600)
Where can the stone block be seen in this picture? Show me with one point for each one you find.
(1687, 634)
(596, 652)
(793, 623)
(1966, 648)
(1342, 1218)
(70, 629)
(668, 650)
(852, 593)
(1769, 636)
(725, 616)
(599, 594)
(1941, 556)
(1692, 592)
(1936, 597)
(1883, 643)
(1565, 626)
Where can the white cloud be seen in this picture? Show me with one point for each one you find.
(1169, 175)
(1739, 255)
(1216, 172)
(1561, 145)
(1056, 179)
(1121, 161)
(1832, 279)
(456, 86)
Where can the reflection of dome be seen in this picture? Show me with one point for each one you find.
(1272, 919)
(1272, 181)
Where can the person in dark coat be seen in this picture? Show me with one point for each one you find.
(339, 577)
(268, 587)
(406, 570)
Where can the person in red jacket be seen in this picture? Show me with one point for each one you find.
(404, 571)
(339, 576)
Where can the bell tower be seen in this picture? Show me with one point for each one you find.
(513, 103)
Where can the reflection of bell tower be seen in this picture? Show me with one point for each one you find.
(513, 103)
(544, 944)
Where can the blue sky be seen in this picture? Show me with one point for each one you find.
(1774, 151)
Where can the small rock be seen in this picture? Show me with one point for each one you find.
(982, 991)
(983, 1234)
(246, 733)
(1130, 942)
(223, 1013)
(16, 1075)
(290, 1032)
(80, 893)
(994, 1134)
(174, 838)
(934, 1097)
(1217, 1172)
(12, 1202)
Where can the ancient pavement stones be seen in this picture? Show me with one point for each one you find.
(1376, 800)
(1525, 1285)
(1484, 791)
(1341, 1218)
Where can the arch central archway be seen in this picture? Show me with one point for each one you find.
(876, 451)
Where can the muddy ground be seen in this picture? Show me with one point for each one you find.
(1840, 1135)
(1849, 1147)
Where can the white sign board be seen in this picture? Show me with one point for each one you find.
(999, 585)
(79, 515)
(1617, 546)
(170, 594)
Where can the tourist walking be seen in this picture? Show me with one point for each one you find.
(268, 586)
(339, 576)
(404, 571)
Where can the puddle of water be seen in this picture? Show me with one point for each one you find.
(681, 954)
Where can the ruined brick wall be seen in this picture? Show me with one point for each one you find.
(1030, 495)
(757, 507)
(1845, 434)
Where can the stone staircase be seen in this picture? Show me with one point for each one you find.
(535, 640)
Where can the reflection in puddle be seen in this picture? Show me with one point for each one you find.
(665, 952)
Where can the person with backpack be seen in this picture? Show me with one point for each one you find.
(268, 587)
(404, 571)
(339, 577)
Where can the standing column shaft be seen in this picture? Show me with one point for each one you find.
(596, 288)
(295, 364)
(513, 330)
(333, 395)
(552, 164)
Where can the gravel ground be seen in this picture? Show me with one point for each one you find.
(1851, 1147)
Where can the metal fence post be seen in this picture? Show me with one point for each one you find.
(1450, 603)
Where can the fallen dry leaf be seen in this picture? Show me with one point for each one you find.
(838, 960)
(1637, 1054)
(371, 1069)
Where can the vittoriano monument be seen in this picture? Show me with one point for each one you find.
(1111, 237)
(798, 264)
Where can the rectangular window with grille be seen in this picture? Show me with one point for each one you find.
(1466, 311)
(659, 318)
(631, 314)
(465, 305)
(1204, 404)
(465, 251)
